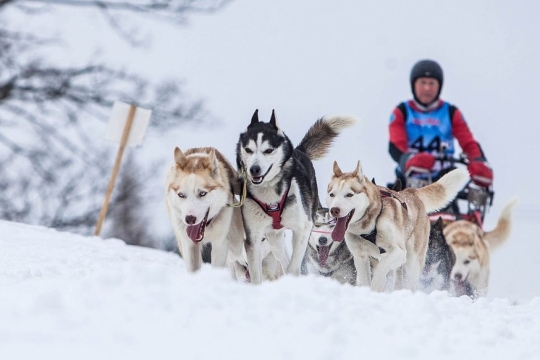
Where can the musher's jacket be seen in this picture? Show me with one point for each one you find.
(414, 128)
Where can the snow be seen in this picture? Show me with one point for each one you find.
(66, 296)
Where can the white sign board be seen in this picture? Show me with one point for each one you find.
(118, 120)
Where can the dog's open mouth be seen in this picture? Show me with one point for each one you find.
(196, 232)
(259, 179)
(338, 234)
(324, 252)
(462, 287)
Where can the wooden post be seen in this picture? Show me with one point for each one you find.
(110, 187)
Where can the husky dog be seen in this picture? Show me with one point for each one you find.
(281, 188)
(371, 217)
(326, 257)
(470, 273)
(200, 185)
(439, 260)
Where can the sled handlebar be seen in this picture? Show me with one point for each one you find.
(453, 160)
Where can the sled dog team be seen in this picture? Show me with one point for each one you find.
(367, 235)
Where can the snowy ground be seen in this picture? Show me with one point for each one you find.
(64, 296)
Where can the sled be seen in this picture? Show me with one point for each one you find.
(471, 203)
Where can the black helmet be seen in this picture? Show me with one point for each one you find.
(429, 69)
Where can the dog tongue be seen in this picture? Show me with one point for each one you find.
(194, 231)
(338, 234)
(460, 288)
(323, 254)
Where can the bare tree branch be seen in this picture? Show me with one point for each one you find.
(53, 171)
(176, 10)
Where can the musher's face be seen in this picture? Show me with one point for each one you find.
(426, 89)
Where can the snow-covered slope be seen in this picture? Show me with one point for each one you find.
(64, 296)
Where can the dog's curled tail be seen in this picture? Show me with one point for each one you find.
(501, 233)
(322, 134)
(439, 194)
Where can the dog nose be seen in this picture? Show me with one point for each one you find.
(335, 211)
(323, 240)
(190, 219)
(458, 277)
(255, 170)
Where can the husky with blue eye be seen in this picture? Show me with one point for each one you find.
(326, 257)
(199, 193)
(281, 188)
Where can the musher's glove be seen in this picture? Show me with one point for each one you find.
(421, 160)
(481, 173)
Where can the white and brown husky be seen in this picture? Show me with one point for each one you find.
(371, 217)
(472, 246)
(199, 190)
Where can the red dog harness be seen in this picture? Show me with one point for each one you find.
(273, 210)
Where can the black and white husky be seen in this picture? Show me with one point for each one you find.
(326, 257)
(281, 188)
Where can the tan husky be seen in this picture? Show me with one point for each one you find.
(471, 245)
(371, 217)
(200, 188)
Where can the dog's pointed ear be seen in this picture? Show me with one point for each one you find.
(373, 181)
(337, 170)
(254, 118)
(438, 224)
(397, 185)
(213, 163)
(179, 157)
(358, 171)
(273, 120)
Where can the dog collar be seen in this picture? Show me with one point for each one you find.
(321, 232)
(273, 210)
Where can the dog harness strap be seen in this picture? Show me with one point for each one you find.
(387, 193)
(475, 218)
(478, 219)
(273, 210)
(371, 237)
